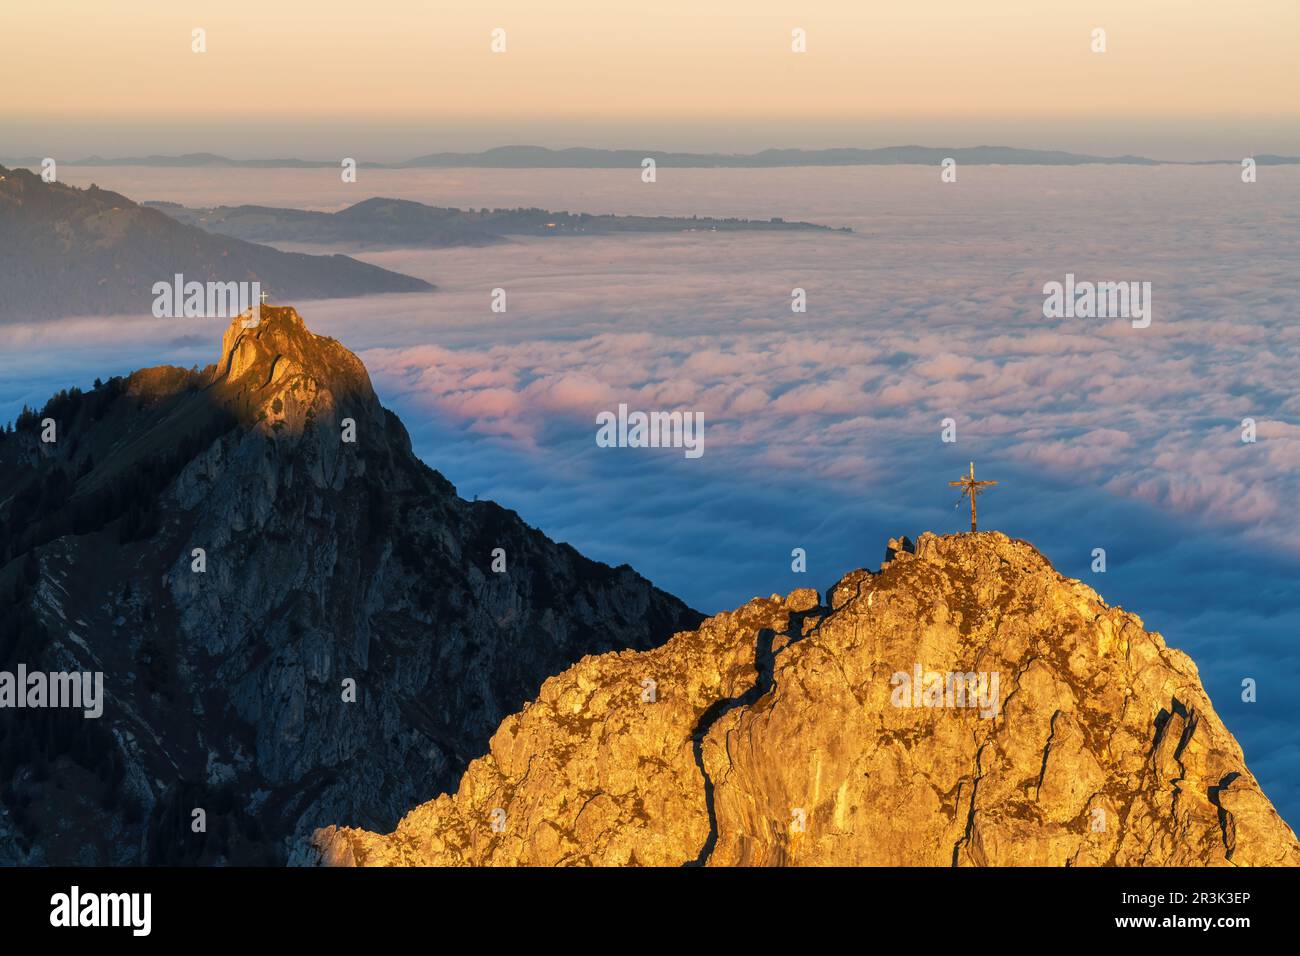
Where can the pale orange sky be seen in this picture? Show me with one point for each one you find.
(1191, 76)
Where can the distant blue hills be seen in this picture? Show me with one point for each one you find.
(540, 157)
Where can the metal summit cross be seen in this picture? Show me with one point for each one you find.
(969, 486)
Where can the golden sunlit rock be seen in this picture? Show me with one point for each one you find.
(1045, 728)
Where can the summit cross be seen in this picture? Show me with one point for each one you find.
(969, 486)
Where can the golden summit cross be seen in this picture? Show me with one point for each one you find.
(969, 486)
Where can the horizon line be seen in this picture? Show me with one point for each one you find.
(533, 157)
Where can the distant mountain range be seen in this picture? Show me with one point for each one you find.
(403, 223)
(68, 251)
(540, 157)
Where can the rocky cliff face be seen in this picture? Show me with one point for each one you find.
(298, 622)
(964, 706)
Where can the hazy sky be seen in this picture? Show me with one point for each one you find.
(1179, 78)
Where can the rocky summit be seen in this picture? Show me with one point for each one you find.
(966, 705)
(297, 621)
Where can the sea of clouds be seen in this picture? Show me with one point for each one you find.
(823, 429)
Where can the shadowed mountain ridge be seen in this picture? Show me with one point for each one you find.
(293, 627)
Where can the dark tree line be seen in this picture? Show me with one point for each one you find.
(48, 507)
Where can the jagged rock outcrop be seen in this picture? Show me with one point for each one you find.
(239, 571)
(790, 732)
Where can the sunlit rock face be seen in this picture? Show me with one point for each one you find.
(299, 622)
(964, 706)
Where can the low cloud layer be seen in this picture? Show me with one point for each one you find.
(823, 429)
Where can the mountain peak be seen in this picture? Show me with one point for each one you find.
(293, 614)
(285, 374)
(964, 705)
